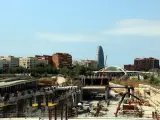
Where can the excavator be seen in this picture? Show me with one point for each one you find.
(118, 108)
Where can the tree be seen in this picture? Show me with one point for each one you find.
(154, 80)
(64, 71)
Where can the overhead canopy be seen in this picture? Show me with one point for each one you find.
(112, 69)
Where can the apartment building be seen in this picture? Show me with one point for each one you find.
(146, 64)
(44, 59)
(61, 60)
(143, 64)
(91, 64)
(86, 63)
(29, 62)
(13, 61)
(79, 62)
(129, 67)
(4, 65)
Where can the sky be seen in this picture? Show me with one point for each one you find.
(126, 29)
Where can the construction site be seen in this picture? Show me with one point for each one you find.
(98, 97)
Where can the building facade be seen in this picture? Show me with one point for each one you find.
(87, 63)
(13, 61)
(145, 64)
(91, 64)
(44, 59)
(61, 60)
(129, 67)
(29, 62)
(4, 65)
(100, 57)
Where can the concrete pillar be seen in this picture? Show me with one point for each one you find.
(66, 112)
(55, 112)
(34, 99)
(75, 99)
(91, 80)
(132, 92)
(80, 95)
(84, 79)
(107, 92)
(50, 114)
(39, 107)
(30, 108)
(62, 112)
(44, 99)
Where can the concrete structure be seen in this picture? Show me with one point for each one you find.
(29, 62)
(100, 57)
(23, 98)
(80, 118)
(143, 64)
(13, 61)
(62, 60)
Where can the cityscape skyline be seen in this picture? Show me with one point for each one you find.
(125, 29)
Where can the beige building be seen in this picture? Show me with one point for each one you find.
(13, 61)
(29, 62)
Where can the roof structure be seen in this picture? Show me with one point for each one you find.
(117, 69)
(12, 83)
(113, 69)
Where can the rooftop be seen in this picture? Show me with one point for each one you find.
(150, 58)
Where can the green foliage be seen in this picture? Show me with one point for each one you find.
(154, 80)
(63, 71)
(44, 70)
(38, 70)
(146, 76)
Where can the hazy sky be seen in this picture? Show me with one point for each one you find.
(124, 28)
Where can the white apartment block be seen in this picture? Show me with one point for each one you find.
(86, 63)
(13, 61)
(29, 62)
(42, 61)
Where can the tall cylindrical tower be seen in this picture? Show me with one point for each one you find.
(100, 57)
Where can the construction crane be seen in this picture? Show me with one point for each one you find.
(102, 73)
(118, 108)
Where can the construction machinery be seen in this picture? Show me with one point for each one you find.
(129, 106)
